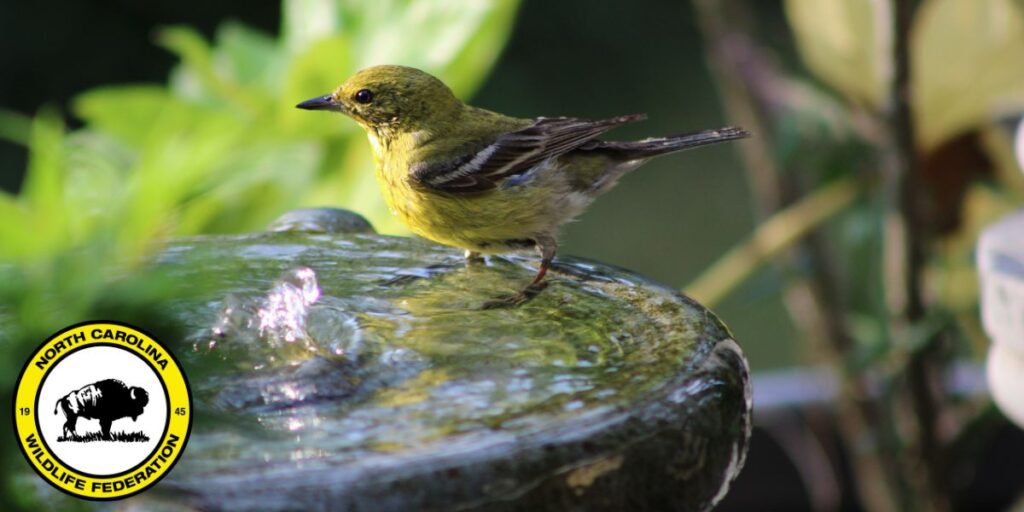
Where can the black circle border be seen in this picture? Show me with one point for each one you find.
(14, 410)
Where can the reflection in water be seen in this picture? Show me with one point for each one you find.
(333, 364)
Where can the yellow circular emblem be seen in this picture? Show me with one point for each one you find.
(102, 410)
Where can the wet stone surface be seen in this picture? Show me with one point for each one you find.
(359, 372)
(322, 220)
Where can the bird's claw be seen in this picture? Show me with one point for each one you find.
(516, 299)
(474, 258)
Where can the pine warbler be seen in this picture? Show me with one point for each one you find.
(482, 181)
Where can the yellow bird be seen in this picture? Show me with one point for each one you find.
(482, 181)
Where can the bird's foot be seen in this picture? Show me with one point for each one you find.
(516, 299)
(474, 258)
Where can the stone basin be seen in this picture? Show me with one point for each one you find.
(359, 372)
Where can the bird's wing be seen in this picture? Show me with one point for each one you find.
(513, 153)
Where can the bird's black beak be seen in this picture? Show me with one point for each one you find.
(325, 102)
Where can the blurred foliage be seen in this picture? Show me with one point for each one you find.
(221, 148)
(965, 76)
(256, 155)
(963, 55)
(910, 112)
(966, 66)
(847, 44)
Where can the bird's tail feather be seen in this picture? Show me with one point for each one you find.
(661, 145)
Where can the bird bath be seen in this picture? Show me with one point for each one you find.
(358, 372)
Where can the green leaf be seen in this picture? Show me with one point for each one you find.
(466, 71)
(15, 231)
(43, 191)
(198, 77)
(126, 112)
(847, 44)
(193, 50)
(256, 186)
(250, 57)
(315, 72)
(967, 65)
(303, 22)
(425, 35)
(457, 41)
(98, 167)
(43, 181)
(15, 127)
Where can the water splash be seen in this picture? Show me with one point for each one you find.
(270, 321)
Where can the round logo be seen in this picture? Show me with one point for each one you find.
(102, 410)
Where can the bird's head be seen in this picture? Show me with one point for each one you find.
(390, 98)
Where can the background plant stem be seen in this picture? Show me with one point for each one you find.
(889, 477)
(744, 78)
(780, 232)
(907, 260)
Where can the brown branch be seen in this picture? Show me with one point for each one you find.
(752, 90)
(904, 174)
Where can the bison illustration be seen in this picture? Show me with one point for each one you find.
(107, 400)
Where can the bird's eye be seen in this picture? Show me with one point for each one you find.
(364, 96)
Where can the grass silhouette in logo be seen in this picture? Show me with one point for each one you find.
(121, 437)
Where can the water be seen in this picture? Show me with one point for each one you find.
(316, 349)
(354, 371)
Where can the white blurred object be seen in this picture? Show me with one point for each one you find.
(1020, 145)
(1001, 275)
(1005, 372)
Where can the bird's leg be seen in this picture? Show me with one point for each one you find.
(546, 246)
(473, 257)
